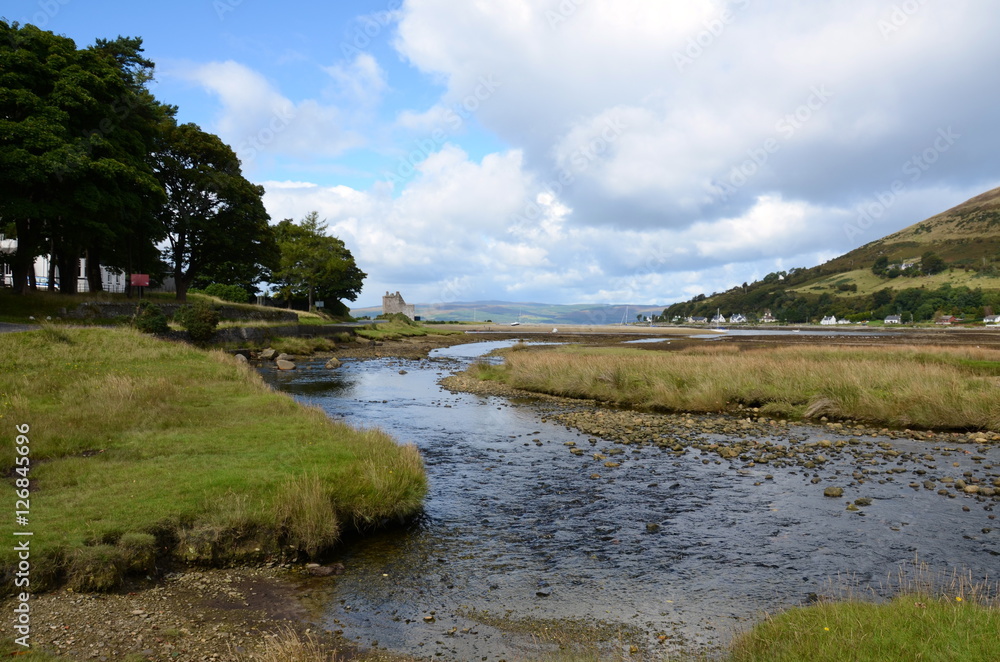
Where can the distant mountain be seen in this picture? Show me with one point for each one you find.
(505, 312)
(948, 263)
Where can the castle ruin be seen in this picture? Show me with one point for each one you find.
(393, 303)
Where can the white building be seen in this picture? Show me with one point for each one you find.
(830, 319)
(113, 282)
(738, 319)
(894, 319)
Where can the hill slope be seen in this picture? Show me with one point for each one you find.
(886, 276)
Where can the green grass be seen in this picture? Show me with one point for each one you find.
(394, 330)
(868, 282)
(911, 627)
(899, 386)
(132, 435)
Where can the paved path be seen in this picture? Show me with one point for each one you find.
(9, 328)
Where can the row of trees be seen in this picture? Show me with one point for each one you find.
(921, 303)
(95, 166)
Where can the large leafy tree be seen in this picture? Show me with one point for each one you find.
(35, 142)
(212, 214)
(313, 264)
(76, 127)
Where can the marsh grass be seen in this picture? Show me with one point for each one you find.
(931, 616)
(134, 437)
(900, 386)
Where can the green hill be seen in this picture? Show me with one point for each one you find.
(946, 264)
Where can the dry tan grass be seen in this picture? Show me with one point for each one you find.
(932, 387)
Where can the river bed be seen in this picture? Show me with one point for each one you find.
(663, 550)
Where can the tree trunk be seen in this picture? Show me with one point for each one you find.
(69, 266)
(94, 281)
(52, 272)
(311, 297)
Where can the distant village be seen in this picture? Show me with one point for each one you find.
(829, 320)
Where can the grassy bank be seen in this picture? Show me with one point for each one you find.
(142, 449)
(926, 387)
(399, 326)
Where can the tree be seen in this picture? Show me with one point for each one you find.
(931, 263)
(880, 265)
(79, 122)
(314, 264)
(212, 214)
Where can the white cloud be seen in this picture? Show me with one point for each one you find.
(256, 119)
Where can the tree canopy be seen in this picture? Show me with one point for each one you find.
(212, 214)
(314, 264)
(94, 166)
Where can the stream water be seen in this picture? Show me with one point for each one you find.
(666, 550)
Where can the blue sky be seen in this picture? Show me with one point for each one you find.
(581, 151)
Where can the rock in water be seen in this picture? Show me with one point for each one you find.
(284, 357)
(833, 492)
(268, 354)
(333, 363)
(285, 365)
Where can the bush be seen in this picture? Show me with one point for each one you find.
(199, 320)
(149, 318)
(233, 293)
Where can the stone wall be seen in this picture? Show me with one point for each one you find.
(95, 310)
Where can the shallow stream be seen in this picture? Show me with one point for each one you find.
(665, 550)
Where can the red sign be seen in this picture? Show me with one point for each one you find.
(140, 280)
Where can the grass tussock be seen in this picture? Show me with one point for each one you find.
(142, 449)
(900, 386)
(931, 616)
(289, 646)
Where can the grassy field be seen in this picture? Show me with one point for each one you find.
(141, 448)
(927, 387)
(868, 282)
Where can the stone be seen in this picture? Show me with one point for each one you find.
(285, 365)
(833, 492)
(333, 363)
(318, 570)
(284, 357)
(268, 354)
(863, 501)
(241, 359)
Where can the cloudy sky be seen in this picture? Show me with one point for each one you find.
(581, 151)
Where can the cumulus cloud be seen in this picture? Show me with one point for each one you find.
(842, 94)
(256, 119)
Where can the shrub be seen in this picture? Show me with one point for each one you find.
(233, 293)
(149, 318)
(199, 320)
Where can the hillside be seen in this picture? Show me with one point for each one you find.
(505, 312)
(946, 264)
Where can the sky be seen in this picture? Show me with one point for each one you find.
(580, 151)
